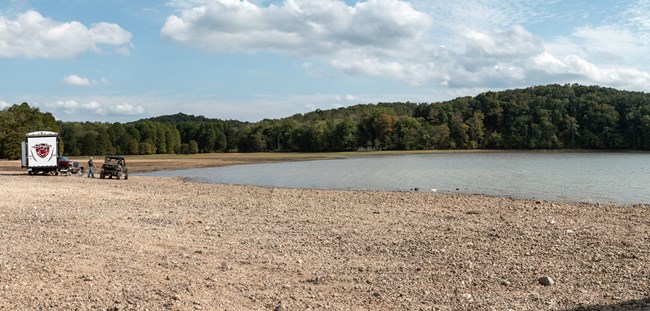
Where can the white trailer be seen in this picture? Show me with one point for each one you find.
(40, 152)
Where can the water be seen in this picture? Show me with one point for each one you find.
(618, 178)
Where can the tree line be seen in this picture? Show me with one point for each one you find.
(541, 117)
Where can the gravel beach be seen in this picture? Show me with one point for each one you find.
(147, 243)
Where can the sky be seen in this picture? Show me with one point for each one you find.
(247, 60)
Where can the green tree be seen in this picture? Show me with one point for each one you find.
(344, 137)
(193, 147)
(475, 130)
(18, 120)
(407, 134)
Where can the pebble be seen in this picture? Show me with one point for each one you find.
(546, 280)
(297, 262)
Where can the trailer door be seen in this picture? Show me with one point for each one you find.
(23, 154)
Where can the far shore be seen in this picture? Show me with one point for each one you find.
(158, 162)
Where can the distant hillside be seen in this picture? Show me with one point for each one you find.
(541, 117)
(188, 118)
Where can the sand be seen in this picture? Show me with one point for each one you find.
(147, 243)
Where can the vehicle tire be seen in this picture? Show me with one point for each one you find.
(126, 176)
(101, 176)
(118, 175)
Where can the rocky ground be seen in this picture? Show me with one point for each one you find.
(74, 243)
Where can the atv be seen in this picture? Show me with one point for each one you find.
(114, 166)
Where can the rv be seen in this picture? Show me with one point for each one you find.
(40, 152)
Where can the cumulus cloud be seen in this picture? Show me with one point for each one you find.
(462, 45)
(3, 104)
(297, 26)
(94, 108)
(377, 37)
(126, 109)
(579, 69)
(82, 81)
(77, 80)
(32, 35)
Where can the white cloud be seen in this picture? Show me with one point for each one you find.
(462, 45)
(581, 70)
(93, 108)
(82, 81)
(516, 42)
(65, 106)
(78, 81)
(126, 109)
(614, 45)
(31, 35)
(369, 38)
(295, 26)
(608, 52)
(637, 14)
(3, 104)
(451, 16)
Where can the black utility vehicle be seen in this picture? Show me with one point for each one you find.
(114, 166)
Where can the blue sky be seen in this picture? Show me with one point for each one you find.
(122, 60)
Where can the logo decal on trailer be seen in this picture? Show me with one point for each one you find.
(42, 149)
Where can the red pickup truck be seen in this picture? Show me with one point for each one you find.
(68, 166)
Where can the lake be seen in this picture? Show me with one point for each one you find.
(594, 177)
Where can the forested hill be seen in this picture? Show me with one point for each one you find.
(540, 117)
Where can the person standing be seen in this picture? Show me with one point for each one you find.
(91, 168)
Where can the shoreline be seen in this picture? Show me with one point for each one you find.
(153, 163)
(166, 243)
(6, 172)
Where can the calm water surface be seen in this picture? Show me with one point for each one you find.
(620, 178)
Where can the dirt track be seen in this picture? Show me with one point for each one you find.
(166, 244)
